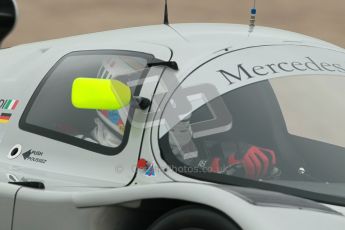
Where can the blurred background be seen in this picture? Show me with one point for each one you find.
(48, 19)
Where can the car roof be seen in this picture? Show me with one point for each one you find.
(190, 43)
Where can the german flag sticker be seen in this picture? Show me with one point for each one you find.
(5, 118)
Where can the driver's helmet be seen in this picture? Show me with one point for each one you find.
(110, 125)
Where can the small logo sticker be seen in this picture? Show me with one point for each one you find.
(150, 172)
(8, 104)
(34, 156)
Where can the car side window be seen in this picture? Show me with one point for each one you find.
(50, 112)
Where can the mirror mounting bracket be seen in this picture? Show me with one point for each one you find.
(142, 102)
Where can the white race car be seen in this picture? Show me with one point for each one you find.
(173, 127)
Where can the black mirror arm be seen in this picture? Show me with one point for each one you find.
(171, 64)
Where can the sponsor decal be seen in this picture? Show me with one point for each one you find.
(8, 104)
(245, 72)
(147, 168)
(150, 172)
(34, 156)
(5, 118)
(142, 164)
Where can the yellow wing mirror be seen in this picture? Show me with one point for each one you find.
(100, 94)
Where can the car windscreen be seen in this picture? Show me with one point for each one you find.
(279, 131)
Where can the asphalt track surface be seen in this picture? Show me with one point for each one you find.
(48, 19)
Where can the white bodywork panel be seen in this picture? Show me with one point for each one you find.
(7, 198)
(78, 210)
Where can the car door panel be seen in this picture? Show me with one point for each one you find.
(7, 202)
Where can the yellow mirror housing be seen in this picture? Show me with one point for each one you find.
(100, 94)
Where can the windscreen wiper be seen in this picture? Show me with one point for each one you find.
(171, 64)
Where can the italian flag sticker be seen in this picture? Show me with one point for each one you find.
(11, 104)
(5, 118)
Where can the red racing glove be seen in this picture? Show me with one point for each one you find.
(249, 161)
(257, 162)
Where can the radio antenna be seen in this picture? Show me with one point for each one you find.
(252, 20)
(166, 13)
